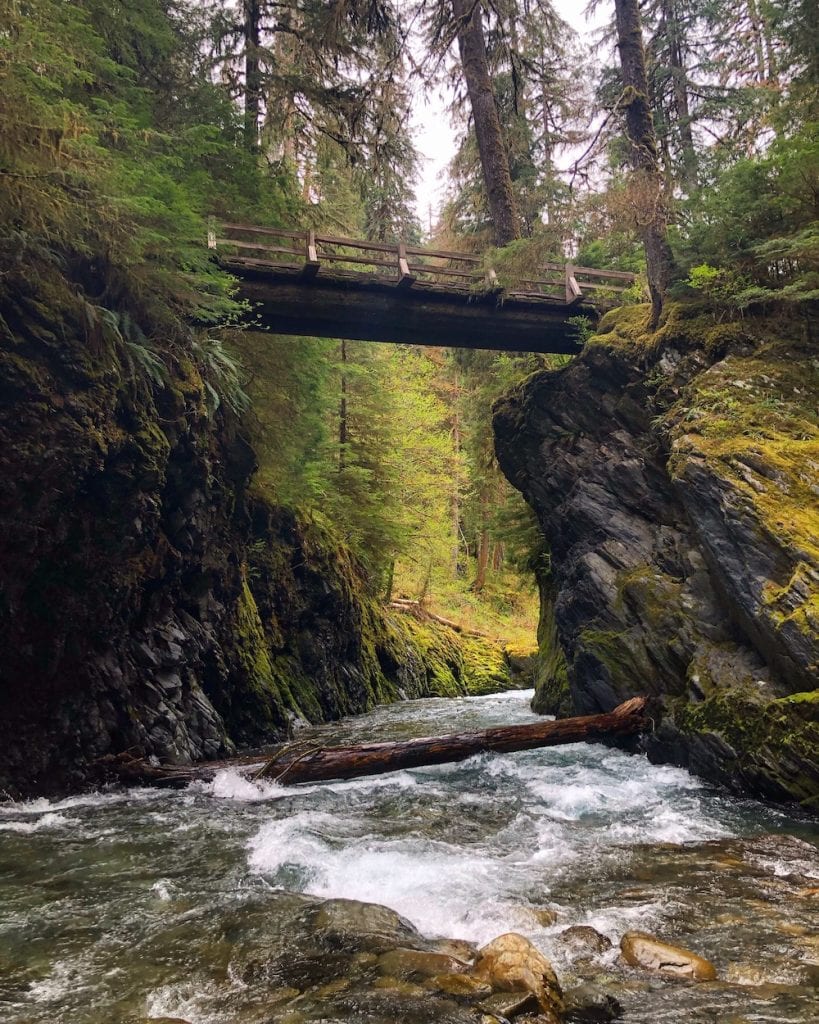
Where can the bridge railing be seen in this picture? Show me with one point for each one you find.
(306, 252)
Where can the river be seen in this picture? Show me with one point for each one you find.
(126, 906)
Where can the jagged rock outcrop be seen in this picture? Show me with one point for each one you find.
(148, 600)
(676, 480)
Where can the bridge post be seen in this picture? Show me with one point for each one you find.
(311, 260)
(405, 278)
(573, 290)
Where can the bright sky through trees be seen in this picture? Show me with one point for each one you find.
(435, 136)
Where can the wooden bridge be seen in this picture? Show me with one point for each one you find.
(307, 283)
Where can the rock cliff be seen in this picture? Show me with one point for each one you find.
(148, 599)
(675, 476)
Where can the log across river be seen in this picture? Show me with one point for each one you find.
(301, 762)
(318, 764)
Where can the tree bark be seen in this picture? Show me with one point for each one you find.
(253, 73)
(679, 82)
(317, 764)
(640, 132)
(343, 437)
(491, 145)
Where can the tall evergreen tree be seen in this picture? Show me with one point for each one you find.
(647, 183)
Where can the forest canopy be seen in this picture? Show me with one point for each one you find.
(126, 125)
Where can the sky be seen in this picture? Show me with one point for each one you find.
(434, 136)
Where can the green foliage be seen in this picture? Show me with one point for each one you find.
(759, 230)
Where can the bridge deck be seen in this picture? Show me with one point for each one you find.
(304, 283)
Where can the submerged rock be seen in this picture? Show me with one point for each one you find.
(367, 927)
(582, 938)
(589, 1004)
(642, 950)
(415, 963)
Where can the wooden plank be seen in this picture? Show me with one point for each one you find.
(422, 268)
(280, 232)
(603, 287)
(352, 243)
(248, 261)
(259, 246)
(622, 275)
(369, 261)
(466, 257)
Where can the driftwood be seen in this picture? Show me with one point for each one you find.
(316, 764)
(417, 610)
(305, 762)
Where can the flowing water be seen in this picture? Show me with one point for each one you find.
(121, 907)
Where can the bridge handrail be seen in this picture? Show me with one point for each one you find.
(312, 248)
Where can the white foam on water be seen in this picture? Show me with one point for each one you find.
(187, 1001)
(163, 889)
(47, 821)
(66, 976)
(92, 800)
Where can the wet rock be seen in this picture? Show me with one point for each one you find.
(582, 938)
(461, 986)
(354, 926)
(459, 948)
(510, 963)
(589, 1004)
(510, 1004)
(416, 963)
(669, 575)
(642, 950)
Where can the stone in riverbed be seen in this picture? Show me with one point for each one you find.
(414, 963)
(590, 1004)
(642, 950)
(510, 1004)
(510, 963)
(582, 938)
(461, 986)
(354, 926)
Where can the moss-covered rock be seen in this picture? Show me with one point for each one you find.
(675, 476)
(152, 600)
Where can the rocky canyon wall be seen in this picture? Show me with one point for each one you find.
(675, 477)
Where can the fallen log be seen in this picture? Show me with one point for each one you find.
(417, 610)
(303, 763)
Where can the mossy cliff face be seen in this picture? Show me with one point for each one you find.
(148, 602)
(676, 479)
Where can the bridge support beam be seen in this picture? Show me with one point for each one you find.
(416, 315)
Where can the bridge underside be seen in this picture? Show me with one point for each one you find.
(330, 307)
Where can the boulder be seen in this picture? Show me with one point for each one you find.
(641, 950)
(510, 963)
(354, 926)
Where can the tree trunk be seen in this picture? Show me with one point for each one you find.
(640, 131)
(342, 412)
(302, 764)
(253, 74)
(682, 106)
(491, 146)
